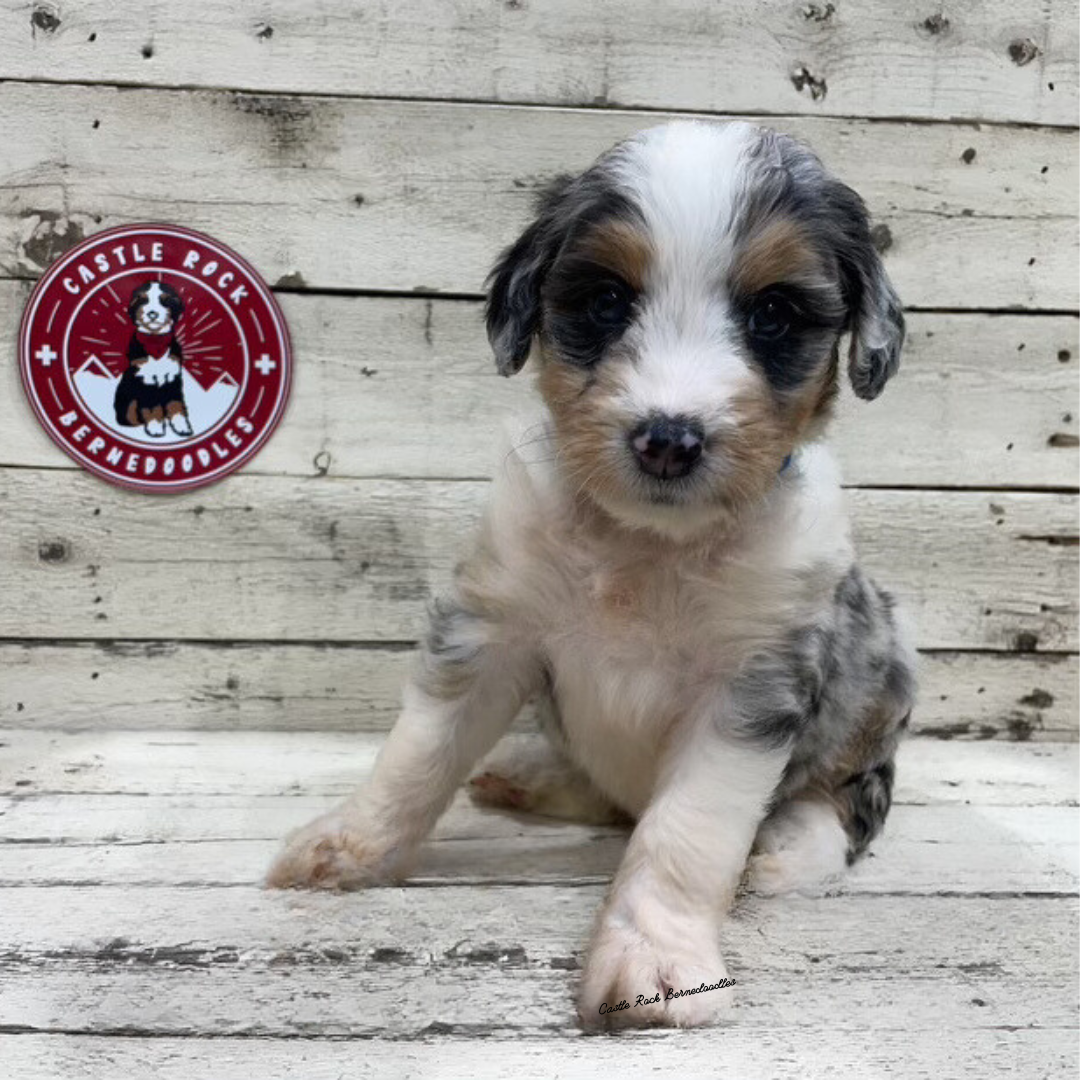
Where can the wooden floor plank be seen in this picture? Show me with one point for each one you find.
(396, 961)
(152, 841)
(935, 1053)
(342, 194)
(135, 915)
(277, 686)
(876, 59)
(333, 763)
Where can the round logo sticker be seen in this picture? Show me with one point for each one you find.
(155, 357)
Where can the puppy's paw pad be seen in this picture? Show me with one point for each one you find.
(491, 789)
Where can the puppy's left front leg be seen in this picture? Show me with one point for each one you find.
(657, 933)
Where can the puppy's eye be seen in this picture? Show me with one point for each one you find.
(609, 306)
(770, 318)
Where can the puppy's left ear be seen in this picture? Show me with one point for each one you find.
(876, 318)
(513, 303)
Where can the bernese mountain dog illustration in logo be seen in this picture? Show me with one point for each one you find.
(151, 391)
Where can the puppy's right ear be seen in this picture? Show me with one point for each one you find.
(513, 302)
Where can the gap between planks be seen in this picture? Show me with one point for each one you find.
(781, 116)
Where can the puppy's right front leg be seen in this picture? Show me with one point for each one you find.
(466, 693)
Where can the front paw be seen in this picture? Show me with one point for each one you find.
(180, 424)
(155, 428)
(632, 981)
(335, 851)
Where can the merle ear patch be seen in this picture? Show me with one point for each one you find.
(877, 321)
(871, 366)
(877, 333)
(512, 314)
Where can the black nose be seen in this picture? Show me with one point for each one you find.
(667, 447)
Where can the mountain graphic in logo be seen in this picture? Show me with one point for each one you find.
(206, 405)
(94, 366)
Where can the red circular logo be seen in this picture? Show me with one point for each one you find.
(155, 357)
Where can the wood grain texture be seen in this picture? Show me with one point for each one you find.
(407, 388)
(333, 193)
(981, 61)
(925, 850)
(87, 685)
(135, 915)
(332, 764)
(944, 1054)
(395, 962)
(266, 558)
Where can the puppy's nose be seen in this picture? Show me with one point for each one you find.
(667, 447)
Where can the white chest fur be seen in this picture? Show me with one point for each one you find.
(641, 637)
(156, 372)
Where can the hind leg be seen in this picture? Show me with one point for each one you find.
(808, 840)
(527, 772)
(800, 845)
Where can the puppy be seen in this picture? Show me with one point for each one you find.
(671, 576)
(151, 390)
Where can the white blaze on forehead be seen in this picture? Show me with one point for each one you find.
(688, 180)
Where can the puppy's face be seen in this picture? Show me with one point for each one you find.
(688, 294)
(155, 307)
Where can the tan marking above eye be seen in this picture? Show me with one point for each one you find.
(621, 247)
(778, 251)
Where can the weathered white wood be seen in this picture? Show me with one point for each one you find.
(390, 387)
(88, 820)
(925, 850)
(983, 695)
(392, 195)
(151, 820)
(88, 685)
(312, 559)
(937, 1053)
(333, 763)
(395, 961)
(869, 59)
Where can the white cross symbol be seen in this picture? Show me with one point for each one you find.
(45, 355)
(265, 364)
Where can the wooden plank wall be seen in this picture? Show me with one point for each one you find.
(371, 159)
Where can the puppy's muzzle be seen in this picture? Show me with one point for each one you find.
(667, 447)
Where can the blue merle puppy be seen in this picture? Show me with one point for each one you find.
(673, 578)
